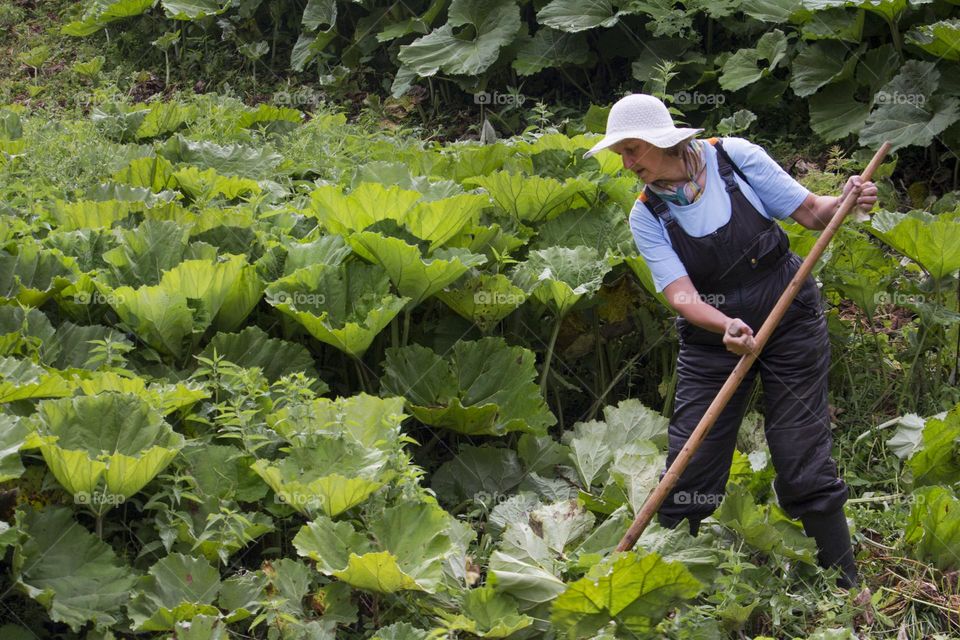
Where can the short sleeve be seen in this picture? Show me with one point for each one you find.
(777, 190)
(654, 246)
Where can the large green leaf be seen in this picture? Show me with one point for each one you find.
(370, 202)
(13, 431)
(908, 436)
(331, 250)
(636, 469)
(166, 398)
(153, 172)
(908, 112)
(26, 332)
(254, 348)
(319, 14)
(224, 472)
(215, 528)
(940, 39)
(191, 297)
(484, 299)
(176, 588)
(201, 186)
(634, 591)
(534, 198)
(602, 228)
(230, 160)
(572, 17)
(861, 271)
(835, 113)
(483, 28)
(820, 64)
(933, 530)
(937, 461)
(101, 13)
(112, 440)
(559, 276)
(744, 68)
(344, 306)
(270, 118)
(72, 573)
(409, 543)
(416, 277)
(484, 387)
(164, 118)
(438, 221)
(92, 214)
(764, 527)
(193, 9)
(551, 48)
(594, 445)
(476, 473)
(371, 421)
(329, 476)
(488, 614)
(142, 254)
(22, 380)
(32, 275)
(701, 557)
(932, 241)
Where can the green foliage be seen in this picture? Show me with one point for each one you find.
(75, 576)
(199, 296)
(634, 591)
(485, 388)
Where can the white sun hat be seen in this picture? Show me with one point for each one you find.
(641, 116)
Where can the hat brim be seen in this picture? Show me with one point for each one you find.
(662, 138)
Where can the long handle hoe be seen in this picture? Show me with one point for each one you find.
(670, 478)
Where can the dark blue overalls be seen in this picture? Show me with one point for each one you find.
(742, 268)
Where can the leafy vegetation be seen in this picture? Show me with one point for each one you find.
(285, 410)
(272, 371)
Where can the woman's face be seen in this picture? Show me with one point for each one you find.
(648, 162)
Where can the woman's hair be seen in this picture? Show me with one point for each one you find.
(677, 149)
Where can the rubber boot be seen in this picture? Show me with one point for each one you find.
(833, 540)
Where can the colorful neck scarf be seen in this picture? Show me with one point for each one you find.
(684, 193)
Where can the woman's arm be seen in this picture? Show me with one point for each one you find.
(686, 300)
(815, 212)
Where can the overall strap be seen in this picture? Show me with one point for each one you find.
(726, 166)
(657, 207)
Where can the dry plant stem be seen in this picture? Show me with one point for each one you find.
(670, 478)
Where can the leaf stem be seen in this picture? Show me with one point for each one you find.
(549, 356)
(360, 375)
(406, 325)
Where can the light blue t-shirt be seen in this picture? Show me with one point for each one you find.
(771, 190)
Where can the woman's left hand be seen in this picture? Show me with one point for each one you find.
(868, 193)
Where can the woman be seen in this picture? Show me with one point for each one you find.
(705, 225)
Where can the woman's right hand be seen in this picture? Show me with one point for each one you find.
(738, 337)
